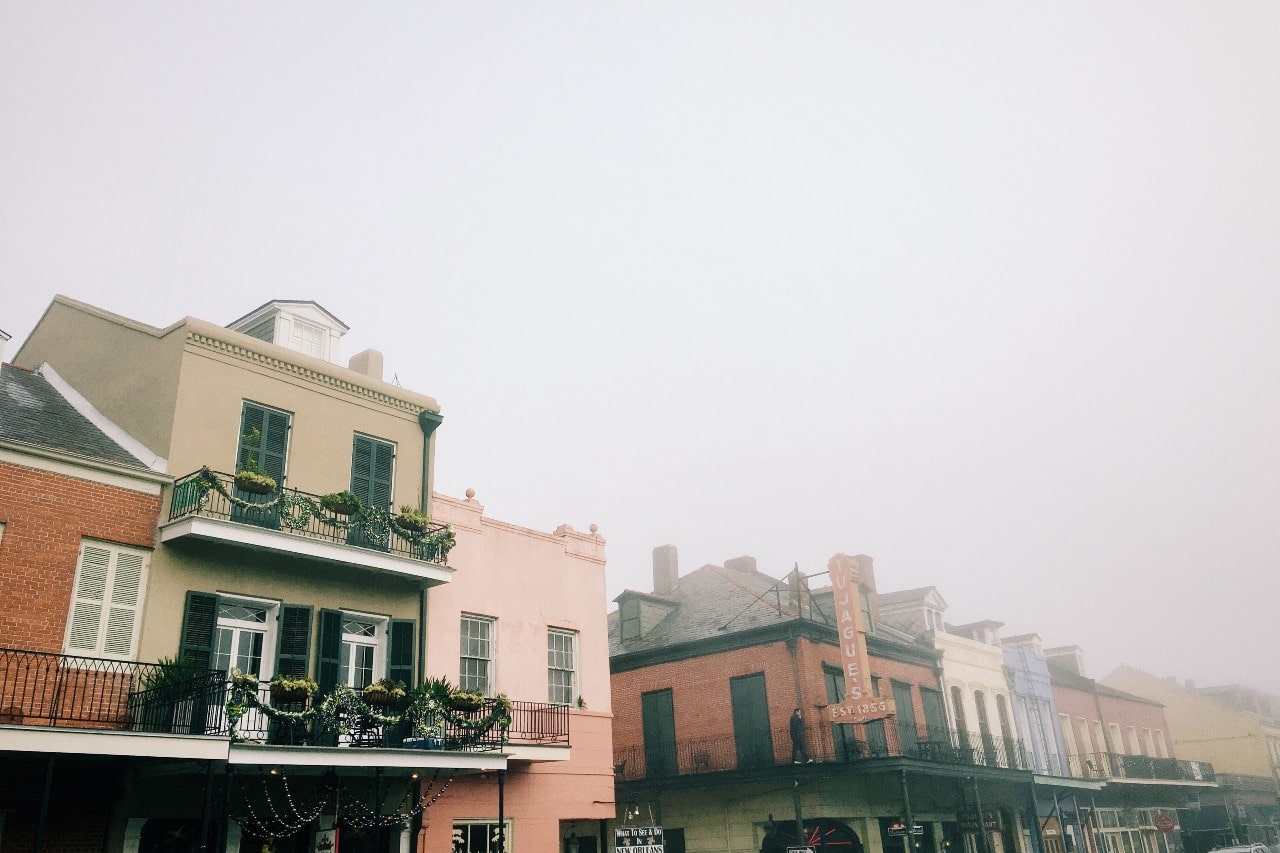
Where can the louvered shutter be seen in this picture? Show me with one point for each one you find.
(372, 471)
(122, 612)
(272, 446)
(330, 650)
(199, 622)
(295, 640)
(89, 599)
(400, 636)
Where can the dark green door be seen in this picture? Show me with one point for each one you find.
(657, 711)
(906, 718)
(751, 732)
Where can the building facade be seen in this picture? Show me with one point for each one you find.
(710, 669)
(345, 569)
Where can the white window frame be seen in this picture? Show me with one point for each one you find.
(380, 624)
(1117, 738)
(576, 682)
(297, 340)
(491, 679)
(269, 627)
(507, 832)
(124, 566)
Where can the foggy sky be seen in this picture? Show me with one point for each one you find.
(986, 291)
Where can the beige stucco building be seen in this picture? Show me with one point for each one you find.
(284, 580)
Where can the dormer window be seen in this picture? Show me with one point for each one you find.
(309, 338)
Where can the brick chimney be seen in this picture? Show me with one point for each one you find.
(741, 564)
(666, 569)
(368, 362)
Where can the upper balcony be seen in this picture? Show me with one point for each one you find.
(208, 505)
(1113, 767)
(50, 693)
(825, 744)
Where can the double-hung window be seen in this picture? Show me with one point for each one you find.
(475, 666)
(107, 601)
(363, 650)
(562, 666)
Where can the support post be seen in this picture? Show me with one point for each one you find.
(795, 795)
(38, 842)
(909, 842)
(502, 817)
(206, 816)
(982, 819)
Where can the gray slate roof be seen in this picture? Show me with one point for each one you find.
(711, 602)
(33, 412)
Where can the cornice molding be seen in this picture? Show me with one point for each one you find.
(199, 339)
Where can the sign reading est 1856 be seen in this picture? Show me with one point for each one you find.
(859, 706)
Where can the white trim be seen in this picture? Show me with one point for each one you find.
(103, 742)
(108, 427)
(81, 468)
(220, 530)
(534, 752)
(337, 756)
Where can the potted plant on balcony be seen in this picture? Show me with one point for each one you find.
(466, 700)
(249, 477)
(168, 694)
(341, 503)
(285, 689)
(383, 693)
(411, 519)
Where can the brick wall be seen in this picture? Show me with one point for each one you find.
(45, 517)
(700, 689)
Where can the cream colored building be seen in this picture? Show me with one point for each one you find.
(287, 583)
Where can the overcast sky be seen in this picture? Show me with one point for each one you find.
(988, 291)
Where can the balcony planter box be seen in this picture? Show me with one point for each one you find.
(412, 520)
(341, 503)
(287, 690)
(383, 693)
(464, 702)
(255, 483)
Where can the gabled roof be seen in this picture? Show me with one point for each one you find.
(310, 302)
(919, 595)
(1061, 677)
(32, 411)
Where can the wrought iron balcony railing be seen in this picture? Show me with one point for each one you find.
(46, 689)
(212, 494)
(1110, 765)
(824, 743)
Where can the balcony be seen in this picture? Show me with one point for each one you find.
(207, 505)
(826, 744)
(47, 691)
(1111, 766)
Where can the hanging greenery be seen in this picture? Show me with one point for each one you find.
(374, 524)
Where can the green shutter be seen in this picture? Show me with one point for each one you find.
(199, 621)
(272, 446)
(400, 636)
(330, 650)
(294, 654)
(372, 470)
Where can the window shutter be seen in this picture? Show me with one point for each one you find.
(330, 650)
(294, 647)
(272, 447)
(198, 625)
(372, 471)
(400, 636)
(275, 445)
(89, 600)
(122, 613)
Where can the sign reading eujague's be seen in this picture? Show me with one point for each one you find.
(859, 705)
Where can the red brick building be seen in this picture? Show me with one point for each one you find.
(708, 671)
(76, 505)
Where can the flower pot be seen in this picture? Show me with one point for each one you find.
(410, 524)
(255, 484)
(280, 694)
(464, 703)
(380, 699)
(342, 509)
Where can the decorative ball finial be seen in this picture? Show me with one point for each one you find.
(471, 493)
(594, 528)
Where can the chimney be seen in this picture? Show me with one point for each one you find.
(368, 362)
(666, 569)
(741, 564)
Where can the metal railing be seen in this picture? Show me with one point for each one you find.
(213, 494)
(825, 743)
(1110, 765)
(48, 689)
